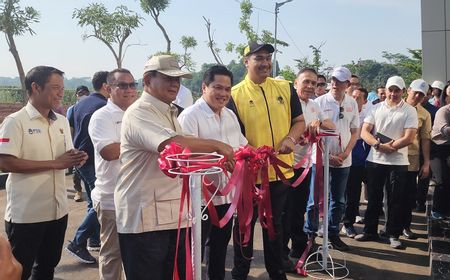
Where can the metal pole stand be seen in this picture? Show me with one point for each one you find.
(196, 199)
(321, 264)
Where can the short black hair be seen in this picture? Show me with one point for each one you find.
(380, 87)
(40, 76)
(210, 74)
(321, 76)
(110, 78)
(364, 91)
(99, 79)
(307, 69)
(354, 76)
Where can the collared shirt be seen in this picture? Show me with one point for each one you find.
(391, 122)
(311, 111)
(440, 126)
(200, 121)
(104, 129)
(146, 199)
(184, 97)
(331, 108)
(41, 196)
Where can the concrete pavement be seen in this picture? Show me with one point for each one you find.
(365, 260)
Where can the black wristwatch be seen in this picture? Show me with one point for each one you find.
(376, 146)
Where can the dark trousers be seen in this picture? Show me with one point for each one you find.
(353, 194)
(294, 215)
(273, 249)
(441, 196)
(37, 246)
(151, 255)
(76, 181)
(422, 187)
(216, 240)
(411, 191)
(394, 176)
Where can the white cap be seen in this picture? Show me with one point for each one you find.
(419, 85)
(438, 84)
(342, 74)
(395, 81)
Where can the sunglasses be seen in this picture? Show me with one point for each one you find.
(125, 86)
(322, 84)
(341, 113)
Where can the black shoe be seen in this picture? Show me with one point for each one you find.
(383, 233)
(409, 234)
(338, 244)
(80, 253)
(288, 265)
(366, 237)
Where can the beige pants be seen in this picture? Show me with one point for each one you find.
(110, 261)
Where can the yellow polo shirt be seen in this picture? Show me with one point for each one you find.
(41, 196)
(265, 112)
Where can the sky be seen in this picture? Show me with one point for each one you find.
(350, 29)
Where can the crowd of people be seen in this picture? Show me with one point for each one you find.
(392, 142)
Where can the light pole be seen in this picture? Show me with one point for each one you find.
(277, 9)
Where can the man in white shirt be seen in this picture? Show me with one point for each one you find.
(147, 201)
(343, 111)
(394, 124)
(104, 130)
(208, 118)
(315, 119)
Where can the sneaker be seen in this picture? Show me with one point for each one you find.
(395, 242)
(93, 247)
(409, 234)
(359, 220)
(80, 253)
(320, 232)
(338, 244)
(349, 231)
(437, 215)
(366, 237)
(77, 197)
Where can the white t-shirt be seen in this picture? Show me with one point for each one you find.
(200, 121)
(311, 111)
(391, 122)
(330, 107)
(104, 129)
(184, 97)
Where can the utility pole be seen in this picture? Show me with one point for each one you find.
(277, 9)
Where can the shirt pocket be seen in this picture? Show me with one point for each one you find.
(167, 200)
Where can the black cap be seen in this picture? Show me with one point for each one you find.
(81, 89)
(254, 47)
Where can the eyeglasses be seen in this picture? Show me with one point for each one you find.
(341, 113)
(322, 84)
(125, 86)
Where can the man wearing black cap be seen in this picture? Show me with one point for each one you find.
(270, 114)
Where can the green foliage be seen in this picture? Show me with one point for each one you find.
(109, 27)
(317, 62)
(410, 68)
(154, 6)
(187, 42)
(288, 73)
(15, 20)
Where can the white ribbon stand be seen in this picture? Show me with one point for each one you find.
(195, 216)
(320, 264)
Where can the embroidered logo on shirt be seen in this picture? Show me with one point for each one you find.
(4, 140)
(34, 130)
(61, 130)
(349, 109)
(280, 100)
(251, 103)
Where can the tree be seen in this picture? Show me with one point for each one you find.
(317, 62)
(410, 68)
(288, 73)
(154, 8)
(15, 21)
(211, 43)
(110, 28)
(187, 42)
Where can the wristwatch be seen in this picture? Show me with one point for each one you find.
(376, 146)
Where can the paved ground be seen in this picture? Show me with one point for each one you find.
(370, 260)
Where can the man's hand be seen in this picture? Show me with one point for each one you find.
(226, 150)
(424, 171)
(10, 268)
(286, 146)
(71, 158)
(336, 160)
(387, 148)
(314, 128)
